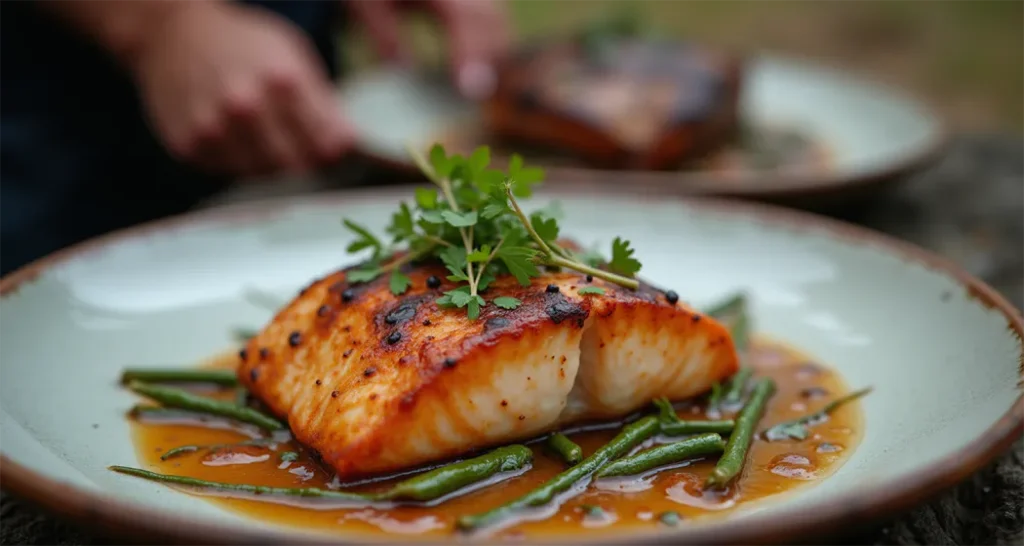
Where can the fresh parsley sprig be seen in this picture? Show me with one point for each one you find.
(472, 222)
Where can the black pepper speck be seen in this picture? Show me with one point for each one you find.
(427, 322)
(294, 339)
(318, 382)
(394, 337)
(671, 297)
(368, 372)
(323, 310)
(243, 354)
(264, 353)
(590, 278)
(254, 374)
(348, 295)
(552, 289)
(334, 394)
(449, 362)
(347, 353)
(695, 317)
(433, 282)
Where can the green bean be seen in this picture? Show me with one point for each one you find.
(798, 429)
(159, 412)
(226, 378)
(704, 444)
(731, 462)
(672, 425)
(241, 487)
(424, 487)
(180, 450)
(289, 457)
(733, 314)
(682, 428)
(715, 398)
(564, 448)
(632, 435)
(177, 398)
(450, 478)
(737, 385)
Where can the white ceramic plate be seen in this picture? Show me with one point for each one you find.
(873, 134)
(942, 350)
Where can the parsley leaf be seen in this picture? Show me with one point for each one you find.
(364, 239)
(523, 179)
(478, 161)
(399, 282)
(453, 257)
(623, 262)
(459, 219)
(506, 302)
(440, 162)
(471, 221)
(473, 308)
(547, 228)
(402, 226)
(479, 255)
(519, 262)
(426, 198)
(794, 431)
(362, 275)
(590, 290)
(460, 297)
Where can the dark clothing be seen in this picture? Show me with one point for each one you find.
(76, 156)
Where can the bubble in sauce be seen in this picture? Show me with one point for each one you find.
(793, 466)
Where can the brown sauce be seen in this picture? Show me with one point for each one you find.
(628, 505)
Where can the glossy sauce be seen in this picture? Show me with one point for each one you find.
(626, 504)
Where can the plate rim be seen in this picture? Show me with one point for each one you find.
(109, 515)
(770, 186)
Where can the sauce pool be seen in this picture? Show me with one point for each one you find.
(625, 505)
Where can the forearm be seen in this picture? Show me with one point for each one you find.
(122, 27)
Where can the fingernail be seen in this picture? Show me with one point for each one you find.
(476, 80)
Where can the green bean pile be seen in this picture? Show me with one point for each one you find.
(692, 439)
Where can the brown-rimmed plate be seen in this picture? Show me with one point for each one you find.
(862, 134)
(943, 351)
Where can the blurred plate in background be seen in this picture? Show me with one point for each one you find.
(858, 135)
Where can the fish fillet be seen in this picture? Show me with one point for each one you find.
(376, 383)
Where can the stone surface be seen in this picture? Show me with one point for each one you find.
(970, 208)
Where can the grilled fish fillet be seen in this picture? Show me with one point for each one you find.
(376, 383)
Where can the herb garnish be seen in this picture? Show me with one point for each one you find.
(472, 222)
(799, 429)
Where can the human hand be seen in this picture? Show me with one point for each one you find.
(238, 90)
(477, 33)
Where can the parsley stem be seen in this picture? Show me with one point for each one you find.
(409, 257)
(436, 240)
(559, 259)
(526, 223)
(485, 263)
(599, 273)
(446, 189)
